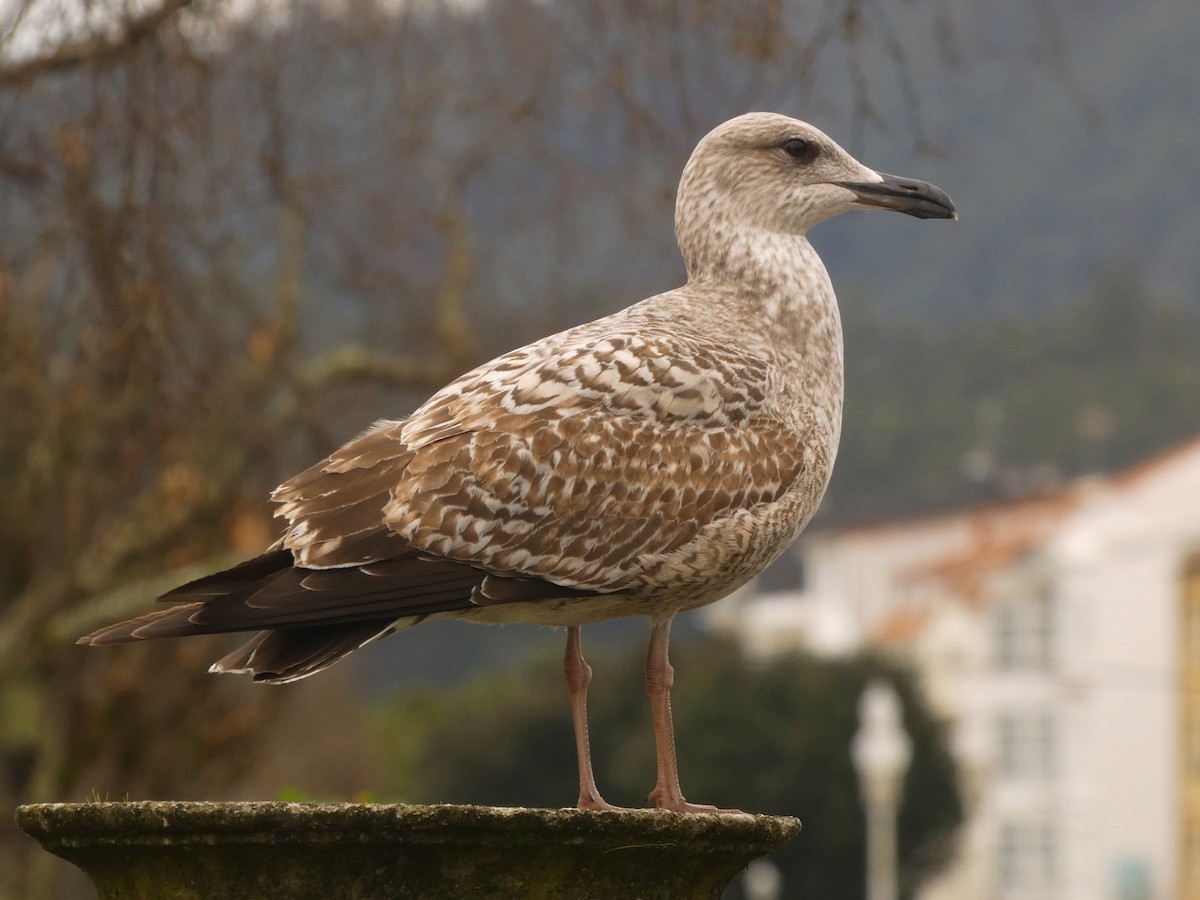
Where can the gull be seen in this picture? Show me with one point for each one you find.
(646, 463)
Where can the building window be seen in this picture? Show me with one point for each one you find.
(1027, 856)
(1190, 864)
(1191, 630)
(1026, 744)
(1132, 880)
(1191, 737)
(1023, 633)
(1189, 726)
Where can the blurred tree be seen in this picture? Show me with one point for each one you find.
(156, 381)
(1095, 386)
(767, 736)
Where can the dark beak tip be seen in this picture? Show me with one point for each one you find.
(906, 195)
(949, 213)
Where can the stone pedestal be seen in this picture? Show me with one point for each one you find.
(298, 851)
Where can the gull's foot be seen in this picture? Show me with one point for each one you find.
(596, 803)
(679, 805)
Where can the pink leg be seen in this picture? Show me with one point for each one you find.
(659, 678)
(579, 676)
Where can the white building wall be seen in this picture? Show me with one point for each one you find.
(856, 579)
(1120, 560)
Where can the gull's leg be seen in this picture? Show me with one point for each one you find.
(659, 678)
(579, 676)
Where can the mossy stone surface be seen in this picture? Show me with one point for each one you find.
(362, 851)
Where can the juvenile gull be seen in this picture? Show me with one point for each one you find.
(646, 463)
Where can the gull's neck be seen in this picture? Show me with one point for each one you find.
(780, 285)
(782, 270)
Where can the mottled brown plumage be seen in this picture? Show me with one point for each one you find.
(645, 463)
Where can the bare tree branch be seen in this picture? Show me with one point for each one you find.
(93, 51)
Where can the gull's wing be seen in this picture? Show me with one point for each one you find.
(574, 464)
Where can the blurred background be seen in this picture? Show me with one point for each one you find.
(233, 233)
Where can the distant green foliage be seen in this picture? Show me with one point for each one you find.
(769, 737)
(997, 407)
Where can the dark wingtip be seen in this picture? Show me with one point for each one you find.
(112, 634)
(162, 623)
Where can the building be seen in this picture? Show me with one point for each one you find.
(1060, 637)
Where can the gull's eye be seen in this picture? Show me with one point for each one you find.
(799, 148)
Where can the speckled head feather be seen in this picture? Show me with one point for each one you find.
(650, 461)
(742, 172)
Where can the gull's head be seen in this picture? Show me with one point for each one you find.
(777, 174)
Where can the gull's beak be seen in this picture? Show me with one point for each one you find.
(906, 195)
